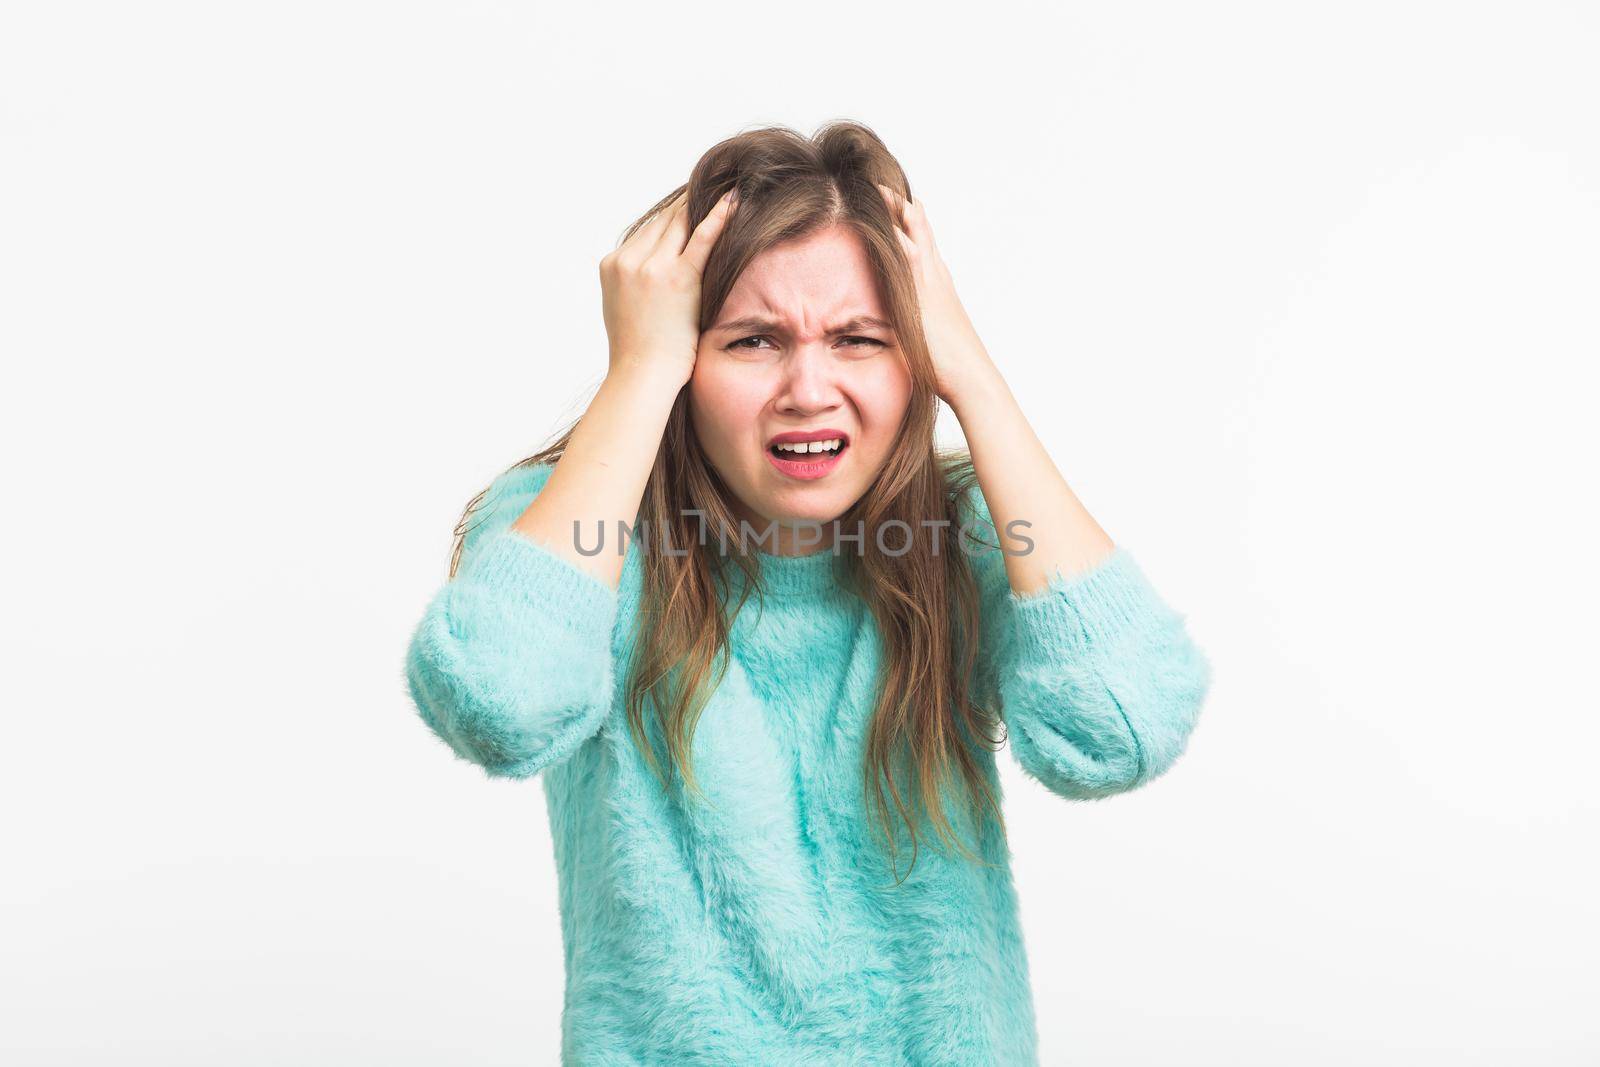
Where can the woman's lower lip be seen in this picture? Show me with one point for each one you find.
(807, 469)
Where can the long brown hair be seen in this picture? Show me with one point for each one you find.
(925, 602)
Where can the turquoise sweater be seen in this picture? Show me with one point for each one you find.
(763, 927)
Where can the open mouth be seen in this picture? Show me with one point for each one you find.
(813, 451)
(807, 454)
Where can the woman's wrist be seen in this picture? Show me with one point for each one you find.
(979, 384)
(649, 370)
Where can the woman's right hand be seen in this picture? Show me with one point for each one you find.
(650, 290)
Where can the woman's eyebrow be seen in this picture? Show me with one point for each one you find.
(756, 323)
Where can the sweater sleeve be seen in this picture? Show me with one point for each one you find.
(1097, 678)
(511, 663)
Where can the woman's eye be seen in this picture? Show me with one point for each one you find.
(853, 342)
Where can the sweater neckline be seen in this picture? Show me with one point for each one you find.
(813, 575)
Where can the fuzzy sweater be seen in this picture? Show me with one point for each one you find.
(762, 926)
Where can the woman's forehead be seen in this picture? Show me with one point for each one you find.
(817, 282)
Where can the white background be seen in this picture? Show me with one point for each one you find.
(1301, 297)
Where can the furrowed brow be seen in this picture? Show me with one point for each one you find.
(757, 324)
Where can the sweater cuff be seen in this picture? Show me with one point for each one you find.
(536, 578)
(1072, 616)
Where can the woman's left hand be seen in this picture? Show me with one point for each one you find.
(959, 357)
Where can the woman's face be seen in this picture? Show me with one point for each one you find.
(801, 349)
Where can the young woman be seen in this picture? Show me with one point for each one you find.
(765, 720)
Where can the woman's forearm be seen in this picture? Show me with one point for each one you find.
(601, 476)
(1019, 480)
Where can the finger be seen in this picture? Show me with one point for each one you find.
(698, 250)
(911, 216)
(672, 234)
(649, 235)
(906, 243)
(893, 201)
(895, 204)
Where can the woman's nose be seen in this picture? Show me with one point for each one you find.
(808, 379)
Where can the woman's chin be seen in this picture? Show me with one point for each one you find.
(794, 507)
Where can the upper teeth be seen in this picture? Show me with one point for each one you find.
(811, 446)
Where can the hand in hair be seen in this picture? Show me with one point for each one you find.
(650, 289)
(959, 356)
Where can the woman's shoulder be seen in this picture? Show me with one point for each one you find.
(498, 505)
(505, 499)
(524, 479)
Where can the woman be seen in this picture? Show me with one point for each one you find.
(766, 718)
